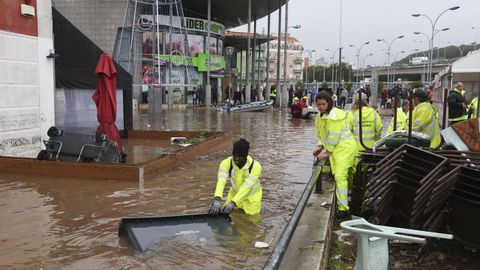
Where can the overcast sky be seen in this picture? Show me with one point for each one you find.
(369, 20)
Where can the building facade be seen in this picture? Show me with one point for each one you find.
(26, 76)
(109, 25)
(295, 59)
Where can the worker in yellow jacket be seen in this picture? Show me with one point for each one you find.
(402, 118)
(371, 123)
(473, 107)
(244, 174)
(425, 118)
(335, 142)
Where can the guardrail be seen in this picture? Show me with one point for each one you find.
(280, 249)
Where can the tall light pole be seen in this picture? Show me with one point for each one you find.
(363, 65)
(313, 65)
(333, 64)
(358, 55)
(430, 49)
(229, 52)
(284, 92)
(433, 24)
(395, 60)
(389, 47)
(476, 28)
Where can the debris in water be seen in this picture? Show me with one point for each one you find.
(259, 244)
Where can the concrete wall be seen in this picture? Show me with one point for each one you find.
(25, 107)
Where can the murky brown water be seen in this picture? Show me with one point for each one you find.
(55, 223)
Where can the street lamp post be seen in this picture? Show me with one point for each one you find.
(476, 28)
(229, 52)
(358, 55)
(333, 64)
(389, 47)
(363, 64)
(395, 60)
(430, 40)
(283, 90)
(433, 24)
(313, 65)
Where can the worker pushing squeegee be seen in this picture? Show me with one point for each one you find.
(244, 174)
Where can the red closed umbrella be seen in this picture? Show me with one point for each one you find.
(105, 97)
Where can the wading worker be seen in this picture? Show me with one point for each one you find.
(244, 174)
(335, 142)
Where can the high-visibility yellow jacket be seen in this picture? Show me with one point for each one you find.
(425, 119)
(333, 133)
(474, 106)
(245, 190)
(371, 127)
(402, 121)
(273, 93)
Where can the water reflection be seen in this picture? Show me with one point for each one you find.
(73, 223)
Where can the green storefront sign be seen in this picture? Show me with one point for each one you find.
(217, 61)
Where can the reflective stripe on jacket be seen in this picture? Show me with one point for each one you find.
(371, 127)
(332, 129)
(245, 190)
(425, 120)
(334, 134)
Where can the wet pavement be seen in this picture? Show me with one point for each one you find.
(66, 223)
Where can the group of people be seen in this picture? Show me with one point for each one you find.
(458, 107)
(339, 139)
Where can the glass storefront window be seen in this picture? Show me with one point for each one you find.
(195, 42)
(178, 44)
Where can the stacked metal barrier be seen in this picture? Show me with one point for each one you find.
(402, 184)
(455, 203)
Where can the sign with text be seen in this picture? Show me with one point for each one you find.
(217, 62)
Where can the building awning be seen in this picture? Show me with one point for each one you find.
(467, 64)
(230, 13)
(239, 40)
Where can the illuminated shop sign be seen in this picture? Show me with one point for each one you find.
(217, 62)
(146, 23)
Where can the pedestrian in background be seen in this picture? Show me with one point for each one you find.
(457, 105)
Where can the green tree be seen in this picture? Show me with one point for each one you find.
(416, 84)
(380, 86)
(348, 86)
(299, 85)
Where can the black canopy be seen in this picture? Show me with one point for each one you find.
(231, 13)
(77, 58)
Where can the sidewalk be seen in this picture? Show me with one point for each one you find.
(309, 247)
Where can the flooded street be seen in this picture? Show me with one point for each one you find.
(54, 223)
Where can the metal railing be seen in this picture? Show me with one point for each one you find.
(280, 249)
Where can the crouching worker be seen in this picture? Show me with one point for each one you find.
(244, 174)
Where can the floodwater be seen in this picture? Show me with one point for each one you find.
(66, 223)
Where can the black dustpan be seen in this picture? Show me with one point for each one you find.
(141, 232)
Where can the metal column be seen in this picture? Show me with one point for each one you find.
(267, 76)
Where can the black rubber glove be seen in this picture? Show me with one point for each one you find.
(228, 208)
(215, 207)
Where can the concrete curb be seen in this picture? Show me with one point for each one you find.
(310, 245)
